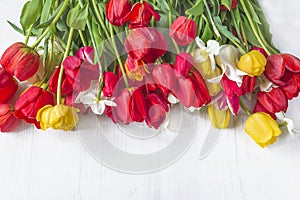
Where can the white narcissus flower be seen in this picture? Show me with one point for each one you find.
(97, 106)
(212, 49)
(89, 99)
(290, 123)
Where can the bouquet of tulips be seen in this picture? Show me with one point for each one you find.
(134, 60)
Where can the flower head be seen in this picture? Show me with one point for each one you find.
(253, 63)
(183, 30)
(8, 86)
(116, 10)
(20, 61)
(262, 128)
(8, 121)
(60, 116)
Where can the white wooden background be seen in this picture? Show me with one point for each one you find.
(37, 165)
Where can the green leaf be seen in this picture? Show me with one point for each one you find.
(208, 34)
(49, 21)
(197, 9)
(77, 17)
(252, 12)
(16, 28)
(249, 32)
(30, 13)
(227, 3)
(224, 30)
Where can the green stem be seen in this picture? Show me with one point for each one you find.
(153, 20)
(118, 55)
(215, 29)
(253, 27)
(284, 124)
(237, 28)
(59, 14)
(59, 84)
(82, 38)
(244, 107)
(170, 13)
(28, 34)
(266, 43)
(99, 18)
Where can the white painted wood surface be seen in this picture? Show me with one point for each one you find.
(49, 165)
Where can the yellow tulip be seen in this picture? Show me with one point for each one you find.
(205, 69)
(253, 63)
(262, 128)
(57, 117)
(219, 118)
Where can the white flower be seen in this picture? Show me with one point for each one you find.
(227, 59)
(89, 99)
(290, 123)
(212, 49)
(266, 85)
(97, 106)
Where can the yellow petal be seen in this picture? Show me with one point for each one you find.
(219, 118)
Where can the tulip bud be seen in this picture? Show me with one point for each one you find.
(20, 61)
(141, 15)
(150, 45)
(280, 68)
(110, 81)
(116, 10)
(183, 30)
(60, 117)
(8, 86)
(183, 64)
(30, 102)
(219, 118)
(262, 128)
(8, 120)
(163, 76)
(157, 110)
(253, 63)
(274, 101)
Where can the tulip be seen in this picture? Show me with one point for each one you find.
(60, 116)
(273, 101)
(291, 88)
(78, 73)
(233, 5)
(183, 30)
(8, 86)
(86, 53)
(262, 128)
(253, 63)
(110, 81)
(141, 15)
(136, 69)
(138, 109)
(116, 11)
(122, 111)
(232, 89)
(145, 44)
(20, 61)
(260, 108)
(163, 76)
(219, 118)
(157, 108)
(8, 120)
(280, 68)
(183, 64)
(30, 102)
(201, 91)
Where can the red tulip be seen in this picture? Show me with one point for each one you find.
(201, 91)
(280, 68)
(157, 110)
(291, 89)
(260, 108)
(116, 11)
(136, 69)
(20, 61)
(233, 5)
(8, 120)
(8, 86)
(163, 76)
(273, 101)
(30, 102)
(186, 92)
(78, 73)
(183, 30)
(86, 53)
(138, 109)
(231, 88)
(110, 81)
(183, 64)
(122, 111)
(145, 44)
(141, 15)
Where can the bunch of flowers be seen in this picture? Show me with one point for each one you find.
(134, 60)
